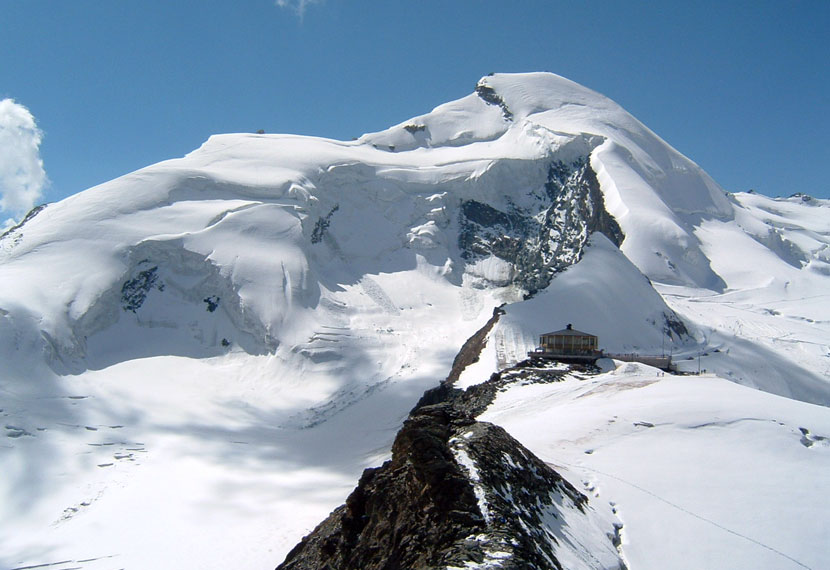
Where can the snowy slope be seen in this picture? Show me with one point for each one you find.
(225, 340)
(703, 473)
(655, 193)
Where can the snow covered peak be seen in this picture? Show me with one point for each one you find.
(656, 194)
(498, 190)
(530, 93)
(261, 314)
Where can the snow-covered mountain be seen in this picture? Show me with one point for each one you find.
(201, 357)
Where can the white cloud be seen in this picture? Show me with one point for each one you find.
(22, 178)
(297, 6)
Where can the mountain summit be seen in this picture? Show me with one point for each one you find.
(224, 341)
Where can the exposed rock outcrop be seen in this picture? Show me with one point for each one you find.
(459, 493)
(489, 96)
(413, 512)
(542, 240)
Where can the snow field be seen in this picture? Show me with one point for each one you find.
(253, 450)
(702, 471)
(154, 431)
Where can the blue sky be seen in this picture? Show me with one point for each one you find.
(741, 88)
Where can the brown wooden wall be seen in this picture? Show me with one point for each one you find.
(569, 343)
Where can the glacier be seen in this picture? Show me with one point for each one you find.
(202, 356)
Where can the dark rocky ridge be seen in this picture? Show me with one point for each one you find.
(413, 512)
(474, 400)
(423, 509)
(456, 492)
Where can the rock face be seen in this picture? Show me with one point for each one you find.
(547, 234)
(413, 512)
(459, 493)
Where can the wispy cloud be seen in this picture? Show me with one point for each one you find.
(297, 6)
(22, 178)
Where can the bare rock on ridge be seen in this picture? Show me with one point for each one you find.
(456, 493)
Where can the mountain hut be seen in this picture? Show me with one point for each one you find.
(570, 342)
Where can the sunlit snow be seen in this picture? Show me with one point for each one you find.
(200, 357)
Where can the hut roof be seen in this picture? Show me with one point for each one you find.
(569, 331)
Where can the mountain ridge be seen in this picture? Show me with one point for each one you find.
(237, 334)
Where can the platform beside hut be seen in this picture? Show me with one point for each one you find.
(661, 362)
